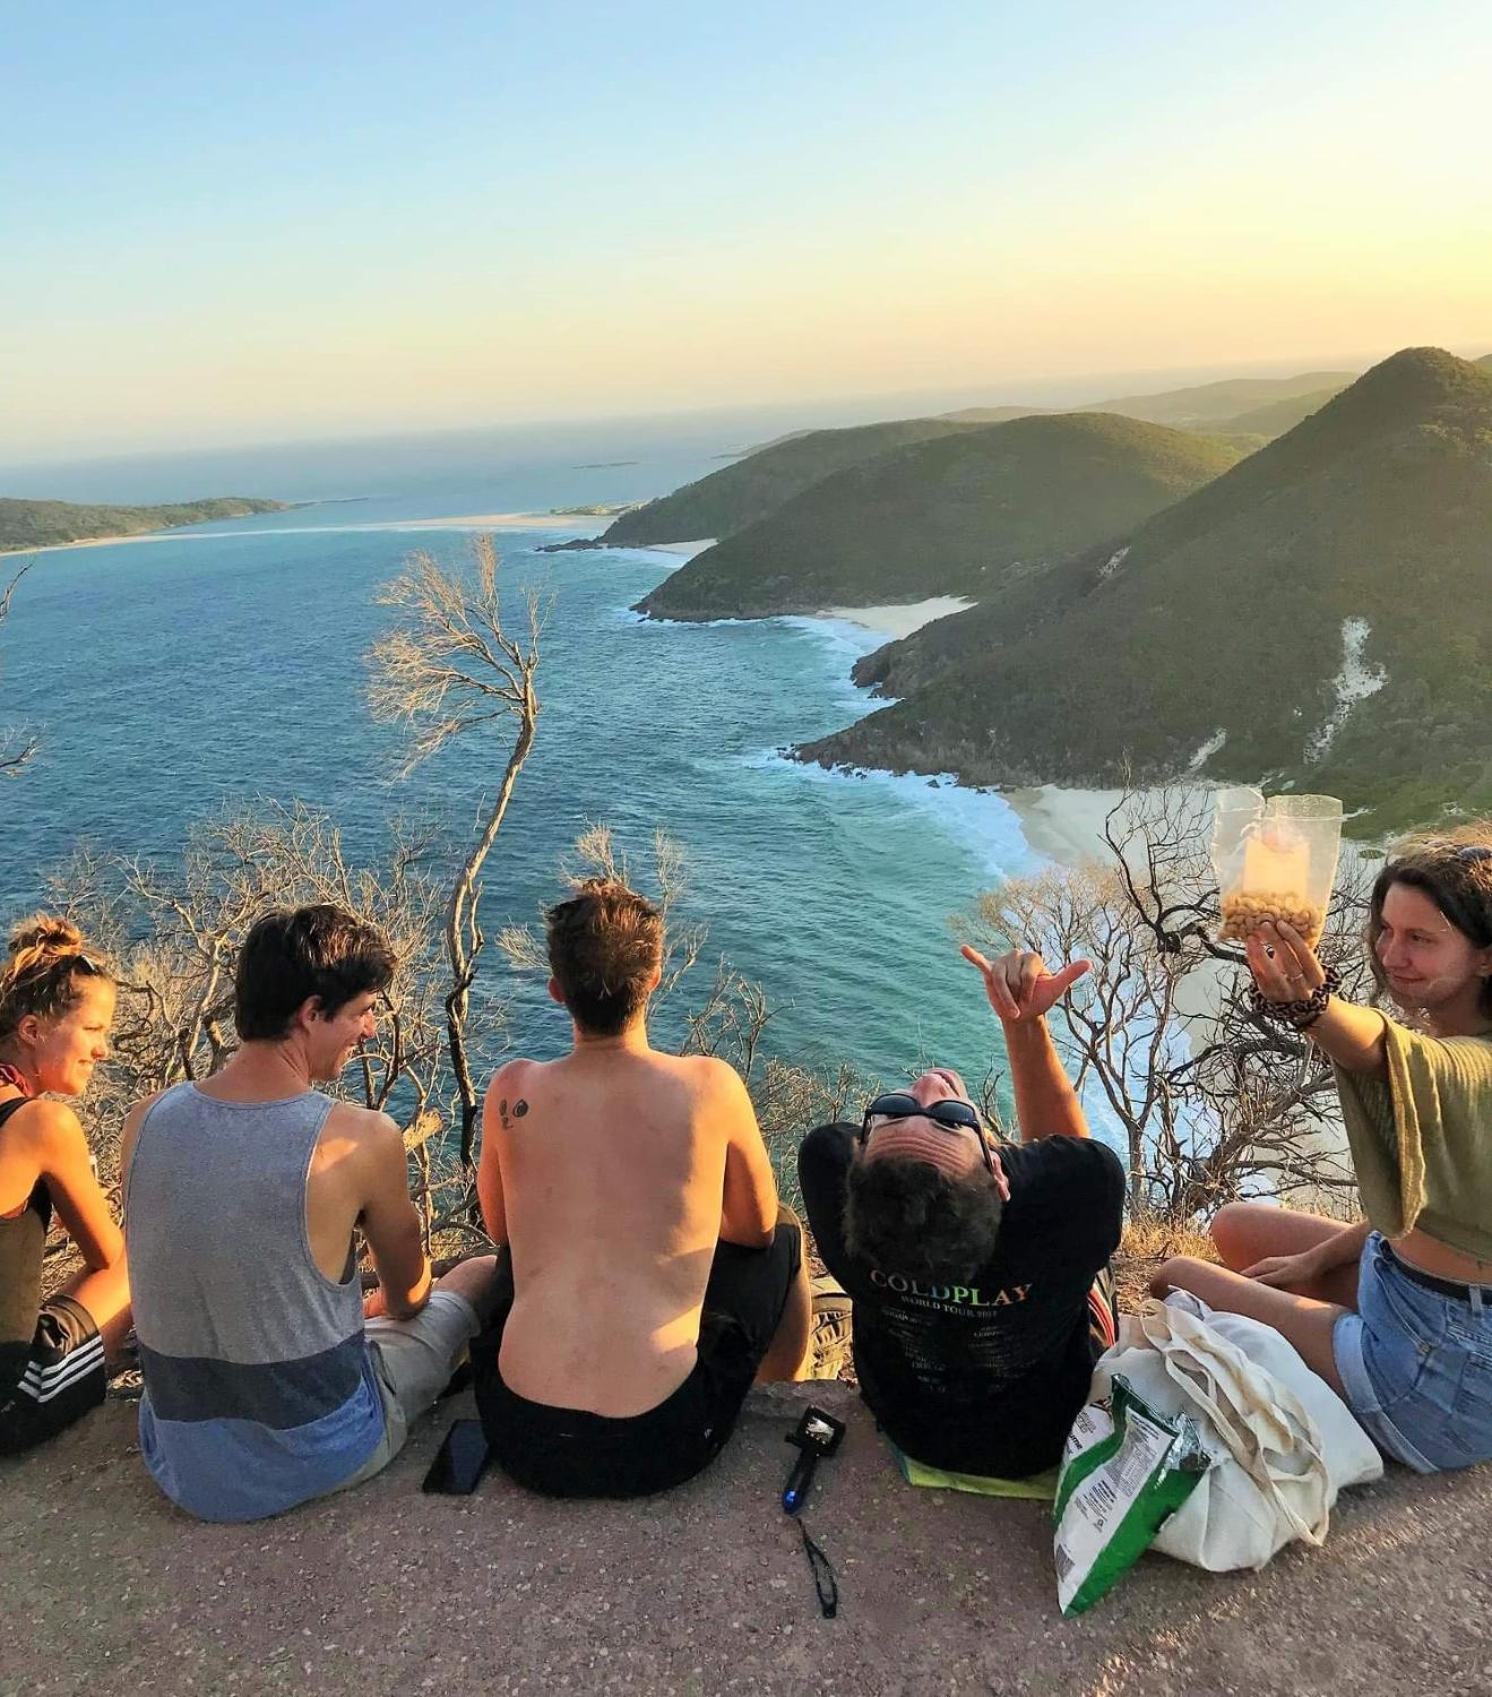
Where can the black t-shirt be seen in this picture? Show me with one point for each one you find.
(984, 1375)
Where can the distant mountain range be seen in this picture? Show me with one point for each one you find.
(763, 479)
(739, 494)
(1319, 616)
(962, 513)
(45, 524)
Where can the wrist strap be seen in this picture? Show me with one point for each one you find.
(822, 1569)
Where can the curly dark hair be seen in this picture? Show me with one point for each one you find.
(908, 1216)
(1452, 868)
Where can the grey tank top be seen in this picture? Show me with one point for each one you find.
(220, 1259)
(259, 1389)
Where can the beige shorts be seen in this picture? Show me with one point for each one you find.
(412, 1362)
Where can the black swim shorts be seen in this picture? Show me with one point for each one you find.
(569, 1452)
(63, 1379)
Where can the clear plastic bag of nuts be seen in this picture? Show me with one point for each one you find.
(1275, 860)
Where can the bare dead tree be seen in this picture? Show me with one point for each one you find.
(17, 748)
(450, 668)
(173, 932)
(1213, 1101)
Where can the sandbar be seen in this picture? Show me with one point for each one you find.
(494, 521)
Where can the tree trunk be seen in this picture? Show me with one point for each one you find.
(464, 934)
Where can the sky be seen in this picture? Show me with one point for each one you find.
(228, 224)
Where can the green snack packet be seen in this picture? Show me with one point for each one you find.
(1125, 1471)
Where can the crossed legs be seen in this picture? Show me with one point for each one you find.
(1246, 1233)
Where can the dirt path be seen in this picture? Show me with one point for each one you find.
(104, 1590)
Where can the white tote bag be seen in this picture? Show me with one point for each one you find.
(1282, 1442)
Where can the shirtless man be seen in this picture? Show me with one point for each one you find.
(267, 1379)
(653, 1274)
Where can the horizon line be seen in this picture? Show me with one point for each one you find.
(1165, 376)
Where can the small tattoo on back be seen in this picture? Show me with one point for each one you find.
(520, 1108)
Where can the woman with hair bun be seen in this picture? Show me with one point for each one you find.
(1396, 1312)
(56, 1010)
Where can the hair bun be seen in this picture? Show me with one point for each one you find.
(46, 933)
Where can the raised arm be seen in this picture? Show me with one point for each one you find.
(748, 1214)
(390, 1223)
(1022, 992)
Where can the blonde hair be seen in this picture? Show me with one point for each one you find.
(40, 973)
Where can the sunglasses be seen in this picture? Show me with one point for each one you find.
(948, 1115)
(1466, 853)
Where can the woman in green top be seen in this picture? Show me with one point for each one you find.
(1395, 1313)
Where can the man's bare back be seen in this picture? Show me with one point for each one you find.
(612, 1174)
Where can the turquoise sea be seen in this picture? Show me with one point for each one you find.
(177, 677)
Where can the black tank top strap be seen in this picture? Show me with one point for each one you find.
(23, 1240)
(40, 1200)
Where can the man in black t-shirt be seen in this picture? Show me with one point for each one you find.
(972, 1265)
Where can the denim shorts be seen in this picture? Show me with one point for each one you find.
(1417, 1366)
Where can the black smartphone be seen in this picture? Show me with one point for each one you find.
(460, 1461)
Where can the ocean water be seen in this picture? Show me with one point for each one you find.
(174, 678)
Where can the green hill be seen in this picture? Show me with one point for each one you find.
(44, 524)
(955, 516)
(1320, 616)
(995, 415)
(738, 494)
(1275, 418)
(1263, 407)
(1244, 411)
(1216, 406)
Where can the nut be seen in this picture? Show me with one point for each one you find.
(1244, 911)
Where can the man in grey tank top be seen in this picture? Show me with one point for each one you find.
(268, 1381)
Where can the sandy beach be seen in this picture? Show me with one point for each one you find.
(471, 521)
(89, 542)
(1064, 825)
(898, 621)
(498, 521)
(685, 550)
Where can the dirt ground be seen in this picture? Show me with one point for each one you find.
(106, 1590)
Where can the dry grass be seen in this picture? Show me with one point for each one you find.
(1148, 1240)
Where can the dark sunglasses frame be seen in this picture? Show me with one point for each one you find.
(951, 1115)
(1466, 853)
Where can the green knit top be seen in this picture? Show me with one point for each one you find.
(1421, 1138)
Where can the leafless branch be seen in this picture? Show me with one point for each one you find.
(17, 748)
(449, 667)
(1212, 1101)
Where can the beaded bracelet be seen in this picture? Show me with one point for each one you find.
(1303, 1014)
